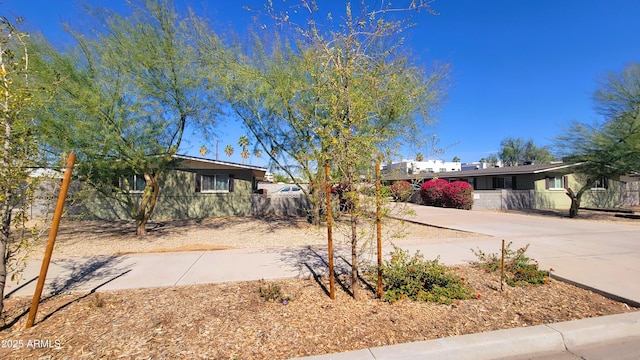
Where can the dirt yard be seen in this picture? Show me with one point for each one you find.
(232, 321)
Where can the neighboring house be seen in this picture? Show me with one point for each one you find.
(537, 187)
(405, 167)
(479, 165)
(197, 188)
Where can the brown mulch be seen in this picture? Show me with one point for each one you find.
(232, 321)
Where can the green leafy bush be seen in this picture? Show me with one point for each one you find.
(519, 268)
(273, 292)
(385, 191)
(413, 277)
(401, 190)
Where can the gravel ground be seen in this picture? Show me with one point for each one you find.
(232, 321)
(89, 238)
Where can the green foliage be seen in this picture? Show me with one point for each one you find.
(413, 277)
(21, 100)
(385, 191)
(516, 152)
(339, 92)
(273, 292)
(129, 90)
(519, 268)
(611, 147)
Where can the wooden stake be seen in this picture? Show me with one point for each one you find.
(327, 181)
(379, 227)
(52, 239)
(502, 266)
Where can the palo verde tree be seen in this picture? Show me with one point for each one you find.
(20, 98)
(129, 90)
(341, 92)
(610, 148)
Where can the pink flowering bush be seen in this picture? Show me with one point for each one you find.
(401, 190)
(439, 192)
(432, 192)
(459, 195)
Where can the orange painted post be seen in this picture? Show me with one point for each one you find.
(502, 266)
(52, 239)
(379, 227)
(327, 181)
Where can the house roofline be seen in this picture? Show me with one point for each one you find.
(220, 162)
(507, 170)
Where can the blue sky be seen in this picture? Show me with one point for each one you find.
(520, 68)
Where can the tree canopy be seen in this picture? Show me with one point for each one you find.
(22, 96)
(516, 151)
(340, 92)
(129, 90)
(610, 147)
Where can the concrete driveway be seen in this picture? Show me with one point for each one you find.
(602, 256)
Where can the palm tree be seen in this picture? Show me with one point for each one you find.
(257, 153)
(243, 141)
(456, 159)
(203, 150)
(228, 150)
(245, 154)
(419, 157)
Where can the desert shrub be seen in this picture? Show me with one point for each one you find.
(432, 192)
(413, 277)
(385, 191)
(519, 268)
(458, 195)
(401, 190)
(272, 292)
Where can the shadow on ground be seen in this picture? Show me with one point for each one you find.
(313, 260)
(94, 272)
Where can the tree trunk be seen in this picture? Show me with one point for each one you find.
(147, 203)
(575, 202)
(355, 284)
(576, 197)
(4, 243)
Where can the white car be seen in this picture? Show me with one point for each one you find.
(289, 190)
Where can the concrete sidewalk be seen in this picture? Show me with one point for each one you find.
(601, 256)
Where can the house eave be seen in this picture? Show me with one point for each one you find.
(196, 163)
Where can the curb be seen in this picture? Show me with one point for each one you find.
(541, 339)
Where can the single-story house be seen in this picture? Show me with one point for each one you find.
(539, 186)
(196, 188)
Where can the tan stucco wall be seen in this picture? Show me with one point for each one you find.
(179, 200)
(552, 198)
(612, 197)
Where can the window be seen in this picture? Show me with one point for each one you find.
(443, 169)
(508, 183)
(214, 183)
(498, 183)
(556, 183)
(133, 183)
(601, 184)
